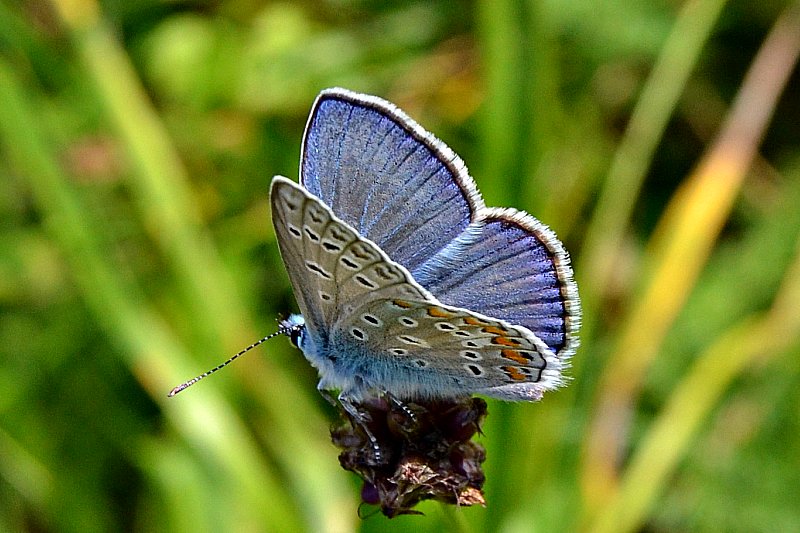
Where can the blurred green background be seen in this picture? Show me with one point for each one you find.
(661, 140)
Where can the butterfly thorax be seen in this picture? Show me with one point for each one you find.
(334, 373)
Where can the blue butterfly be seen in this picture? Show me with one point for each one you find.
(407, 283)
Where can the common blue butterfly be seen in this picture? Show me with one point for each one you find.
(414, 296)
(407, 283)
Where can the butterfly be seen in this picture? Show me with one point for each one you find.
(408, 285)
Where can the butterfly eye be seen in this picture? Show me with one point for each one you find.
(296, 336)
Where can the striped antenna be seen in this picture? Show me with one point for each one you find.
(283, 330)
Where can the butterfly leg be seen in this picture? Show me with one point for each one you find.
(362, 419)
(328, 396)
(402, 406)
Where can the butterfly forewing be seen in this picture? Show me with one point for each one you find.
(302, 227)
(368, 161)
(331, 267)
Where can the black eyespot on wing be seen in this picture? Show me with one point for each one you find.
(348, 262)
(318, 270)
(357, 333)
(371, 320)
(408, 339)
(475, 369)
(311, 234)
(408, 322)
(363, 280)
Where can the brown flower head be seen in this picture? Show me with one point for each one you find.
(409, 452)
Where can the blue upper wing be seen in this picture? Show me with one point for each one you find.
(386, 176)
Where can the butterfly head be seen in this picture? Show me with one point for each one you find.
(294, 327)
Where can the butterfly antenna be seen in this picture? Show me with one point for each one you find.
(283, 330)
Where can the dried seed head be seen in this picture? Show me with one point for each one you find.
(421, 450)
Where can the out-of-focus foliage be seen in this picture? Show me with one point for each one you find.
(137, 140)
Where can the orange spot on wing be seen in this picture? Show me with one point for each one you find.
(514, 356)
(402, 304)
(438, 312)
(505, 341)
(514, 373)
(494, 330)
(472, 321)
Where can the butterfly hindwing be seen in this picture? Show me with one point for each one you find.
(422, 348)
(512, 268)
